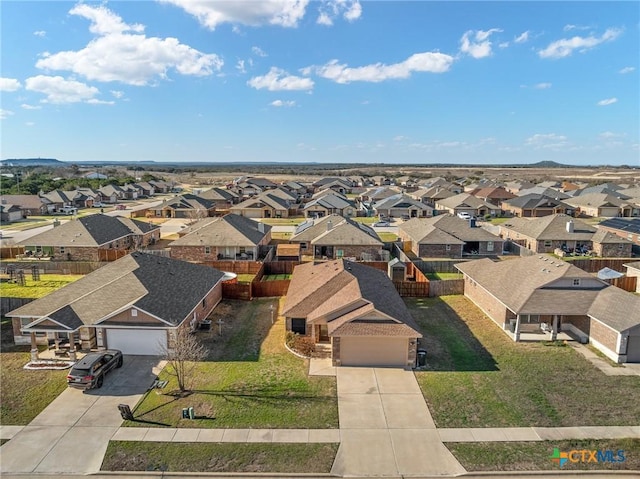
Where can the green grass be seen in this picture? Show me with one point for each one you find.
(280, 235)
(275, 277)
(536, 456)
(24, 393)
(283, 221)
(478, 377)
(387, 237)
(245, 278)
(37, 289)
(443, 276)
(249, 380)
(498, 221)
(215, 457)
(367, 220)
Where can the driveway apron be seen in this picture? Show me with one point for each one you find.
(72, 433)
(386, 428)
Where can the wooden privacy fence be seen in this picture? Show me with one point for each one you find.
(412, 289)
(236, 291)
(628, 283)
(238, 267)
(446, 287)
(112, 254)
(593, 265)
(9, 304)
(265, 289)
(58, 267)
(11, 251)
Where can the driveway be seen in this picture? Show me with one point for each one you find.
(386, 428)
(71, 435)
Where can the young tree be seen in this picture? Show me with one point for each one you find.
(182, 358)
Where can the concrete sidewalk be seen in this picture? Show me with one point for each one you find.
(514, 434)
(152, 434)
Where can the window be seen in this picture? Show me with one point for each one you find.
(547, 243)
(448, 247)
(339, 253)
(38, 249)
(62, 249)
(204, 302)
(576, 282)
(299, 325)
(134, 312)
(207, 250)
(243, 249)
(489, 245)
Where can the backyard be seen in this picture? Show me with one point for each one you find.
(47, 283)
(477, 377)
(248, 380)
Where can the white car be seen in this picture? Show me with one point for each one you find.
(464, 215)
(99, 205)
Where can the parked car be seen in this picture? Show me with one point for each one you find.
(464, 215)
(90, 371)
(382, 223)
(97, 204)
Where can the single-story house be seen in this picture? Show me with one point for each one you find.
(494, 194)
(329, 203)
(355, 309)
(135, 304)
(429, 196)
(623, 227)
(603, 204)
(31, 205)
(222, 198)
(264, 205)
(112, 193)
(400, 205)
(228, 237)
(541, 293)
(466, 203)
(448, 236)
(549, 233)
(334, 236)
(9, 213)
(92, 238)
(535, 205)
(184, 206)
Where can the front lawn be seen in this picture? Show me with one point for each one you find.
(478, 377)
(249, 379)
(48, 283)
(215, 457)
(24, 393)
(536, 456)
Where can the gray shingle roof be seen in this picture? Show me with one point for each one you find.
(337, 230)
(552, 227)
(533, 200)
(420, 229)
(616, 308)
(400, 201)
(229, 230)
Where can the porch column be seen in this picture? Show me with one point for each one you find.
(56, 340)
(34, 347)
(516, 332)
(554, 329)
(72, 346)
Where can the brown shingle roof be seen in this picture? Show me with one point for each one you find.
(552, 227)
(616, 308)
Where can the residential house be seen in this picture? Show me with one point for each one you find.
(356, 310)
(161, 186)
(495, 195)
(112, 193)
(228, 237)
(94, 175)
(447, 236)
(299, 189)
(339, 185)
(334, 236)
(544, 191)
(135, 304)
(401, 205)
(145, 188)
(633, 270)
(625, 228)
(57, 199)
(565, 234)
(541, 295)
(516, 186)
(222, 198)
(429, 196)
(131, 191)
(264, 205)
(184, 206)
(92, 238)
(9, 213)
(534, 206)
(328, 202)
(31, 205)
(466, 203)
(603, 205)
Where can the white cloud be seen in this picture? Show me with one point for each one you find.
(95, 101)
(59, 90)
(608, 135)
(433, 62)
(476, 43)
(285, 103)
(9, 84)
(240, 66)
(627, 70)
(117, 93)
(400, 138)
(350, 10)
(26, 106)
(4, 114)
(503, 45)
(547, 141)
(566, 46)
(285, 13)
(607, 101)
(279, 80)
(522, 38)
(128, 58)
(259, 52)
(542, 86)
(29, 123)
(569, 27)
(40, 33)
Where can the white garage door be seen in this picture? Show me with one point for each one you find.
(361, 351)
(144, 342)
(633, 349)
(252, 213)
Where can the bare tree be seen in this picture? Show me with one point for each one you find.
(182, 358)
(196, 214)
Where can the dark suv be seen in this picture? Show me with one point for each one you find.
(89, 372)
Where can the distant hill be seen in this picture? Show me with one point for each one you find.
(549, 164)
(33, 162)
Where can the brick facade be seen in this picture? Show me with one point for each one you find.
(583, 323)
(604, 335)
(612, 250)
(493, 308)
(356, 251)
(437, 250)
(198, 254)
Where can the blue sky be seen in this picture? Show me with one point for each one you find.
(334, 81)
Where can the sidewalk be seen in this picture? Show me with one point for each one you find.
(154, 434)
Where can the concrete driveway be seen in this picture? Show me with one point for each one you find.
(386, 428)
(71, 435)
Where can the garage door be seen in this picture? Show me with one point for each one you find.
(144, 342)
(633, 349)
(361, 351)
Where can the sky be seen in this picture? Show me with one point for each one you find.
(337, 81)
